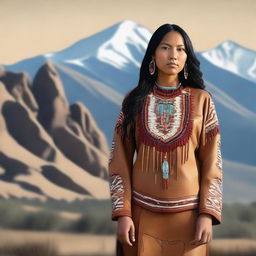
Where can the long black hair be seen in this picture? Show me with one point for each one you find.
(133, 100)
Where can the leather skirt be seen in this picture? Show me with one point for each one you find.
(163, 234)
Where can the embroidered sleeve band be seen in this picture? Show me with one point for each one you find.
(214, 196)
(117, 192)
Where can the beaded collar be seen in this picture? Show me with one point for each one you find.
(167, 92)
(164, 125)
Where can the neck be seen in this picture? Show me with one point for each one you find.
(167, 80)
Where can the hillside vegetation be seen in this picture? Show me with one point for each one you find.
(238, 220)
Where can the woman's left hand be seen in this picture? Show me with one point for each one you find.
(203, 233)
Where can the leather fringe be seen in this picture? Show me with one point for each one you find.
(159, 148)
(212, 133)
(171, 146)
(180, 140)
(152, 160)
(142, 161)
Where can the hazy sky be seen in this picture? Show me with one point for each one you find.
(32, 27)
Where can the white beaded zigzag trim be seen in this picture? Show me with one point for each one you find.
(117, 192)
(212, 118)
(153, 117)
(214, 196)
(219, 157)
(111, 151)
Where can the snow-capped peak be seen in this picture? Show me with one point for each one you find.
(234, 58)
(122, 48)
(117, 45)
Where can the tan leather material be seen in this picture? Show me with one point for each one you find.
(164, 234)
(194, 158)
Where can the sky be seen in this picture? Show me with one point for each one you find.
(33, 27)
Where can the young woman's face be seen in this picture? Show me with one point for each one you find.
(170, 50)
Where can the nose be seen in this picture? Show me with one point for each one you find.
(173, 54)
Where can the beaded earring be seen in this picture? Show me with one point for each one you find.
(152, 67)
(185, 71)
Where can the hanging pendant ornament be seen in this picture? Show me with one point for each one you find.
(152, 67)
(186, 71)
(165, 172)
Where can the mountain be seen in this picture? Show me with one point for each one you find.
(97, 71)
(47, 150)
(101, 68)
(234, 58)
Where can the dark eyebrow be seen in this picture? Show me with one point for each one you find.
(170, 45)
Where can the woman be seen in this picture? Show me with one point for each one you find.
(167, 198)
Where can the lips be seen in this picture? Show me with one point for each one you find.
(172, 64)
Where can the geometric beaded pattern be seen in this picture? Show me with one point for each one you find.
(214, 196)
(116, 191)
(212, 119)
(164, 118)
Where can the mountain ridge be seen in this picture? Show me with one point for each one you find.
(100, 86)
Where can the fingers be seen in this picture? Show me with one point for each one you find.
(132, 233)
(126, 231)
(198, 237)
(124, 238)
(203, 233)
(127, 239)
(202, 238)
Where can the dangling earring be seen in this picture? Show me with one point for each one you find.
(152, 67)
(185, 71)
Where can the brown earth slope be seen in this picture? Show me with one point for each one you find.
(48, 149)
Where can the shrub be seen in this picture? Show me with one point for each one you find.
(233, 230)
(42, 220)
(97, 224)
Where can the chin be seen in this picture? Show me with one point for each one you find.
(171, 73)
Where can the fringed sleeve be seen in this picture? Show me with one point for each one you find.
(120, 168)
(210, 160)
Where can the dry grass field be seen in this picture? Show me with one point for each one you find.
(233, 247)
(69, 244)
(64, 243)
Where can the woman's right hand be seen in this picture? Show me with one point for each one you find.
(125, 230)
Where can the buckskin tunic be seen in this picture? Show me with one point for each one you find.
(175, 176)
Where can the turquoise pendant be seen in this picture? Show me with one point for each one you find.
(165, 170)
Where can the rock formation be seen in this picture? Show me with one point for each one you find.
(48, 149)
